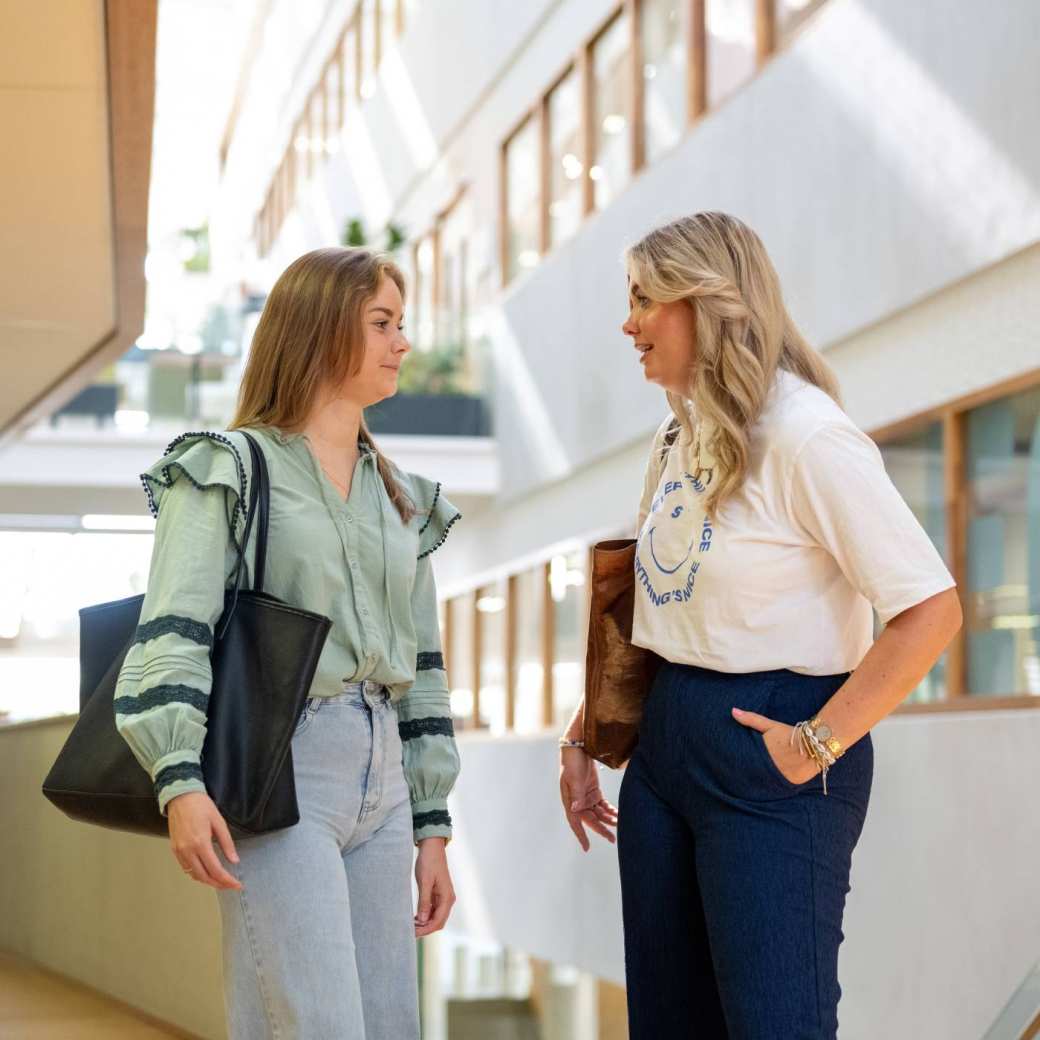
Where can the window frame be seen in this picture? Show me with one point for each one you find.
(767, 45)
(953, 416)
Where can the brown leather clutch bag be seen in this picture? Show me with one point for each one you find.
(617, 674)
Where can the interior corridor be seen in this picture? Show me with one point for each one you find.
(38, 1005)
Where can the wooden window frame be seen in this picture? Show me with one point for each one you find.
(325, 107)
(696, 62)
(341, 82)
(637, 87)
(588, 98)
(530, 115)
(377, 38)
(953, 416)
(510, 664)
(477, 648)
(308, 136)
(573, 67)
(765, 31)
(435, 234)
(548, 649)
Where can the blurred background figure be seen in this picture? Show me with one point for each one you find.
(167, 159)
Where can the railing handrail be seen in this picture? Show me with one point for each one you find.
(1020, 1017)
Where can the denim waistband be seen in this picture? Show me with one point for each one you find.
(372, 693)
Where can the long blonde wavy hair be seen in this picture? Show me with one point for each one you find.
(743, 332)
(311, 335)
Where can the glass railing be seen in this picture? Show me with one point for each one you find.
(476, 989)
(440, 392)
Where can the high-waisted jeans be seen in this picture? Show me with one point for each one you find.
(733, 879)
(320, 943)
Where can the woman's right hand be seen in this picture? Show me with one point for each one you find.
(583, 801)
(195, 824)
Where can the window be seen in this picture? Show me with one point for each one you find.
(916, 466)
(522, 200)
(328, 93)
(565, 162)
(348, 59)
(664, 73)
(1002, 594)
(460, 658)
(567, 589)
(369, 30)
(491, 610)
(387, 26)
(730, 29)
(791, 15)
(611, 132)
(530, 671)
(455, 292)
(409, 9)
(423, 318)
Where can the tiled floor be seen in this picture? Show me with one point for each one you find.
(35, 1005)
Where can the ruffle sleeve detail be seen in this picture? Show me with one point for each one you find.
(436, 515)
(206, 460)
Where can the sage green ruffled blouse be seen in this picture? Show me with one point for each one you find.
(354, 561)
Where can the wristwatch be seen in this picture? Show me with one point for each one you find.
(826, 737)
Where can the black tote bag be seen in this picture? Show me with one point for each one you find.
(264, 655)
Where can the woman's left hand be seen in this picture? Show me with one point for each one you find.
(436, 893)
(787, 757)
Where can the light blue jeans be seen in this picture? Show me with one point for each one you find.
(320, 943)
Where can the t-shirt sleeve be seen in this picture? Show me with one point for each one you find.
(841, 496)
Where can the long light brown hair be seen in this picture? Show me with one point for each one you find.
(719, 266)
(311, 335)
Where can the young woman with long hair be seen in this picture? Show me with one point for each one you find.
(767, 532)
(317, 922)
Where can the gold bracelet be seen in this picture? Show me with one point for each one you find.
(825, 735)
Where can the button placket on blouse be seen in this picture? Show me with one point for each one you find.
(350, 538)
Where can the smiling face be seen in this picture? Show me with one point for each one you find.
(665, 336)
(385, 345)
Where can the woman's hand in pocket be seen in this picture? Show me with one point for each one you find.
(583, 801)
(787, 756)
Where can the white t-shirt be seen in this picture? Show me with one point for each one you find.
(787, 574)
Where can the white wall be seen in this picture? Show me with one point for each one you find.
(943, 921)
(883, 157)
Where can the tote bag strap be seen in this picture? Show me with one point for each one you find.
(259, 507)
(262, 482)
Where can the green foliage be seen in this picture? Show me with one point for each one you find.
(394, 237)
(437, 371)
(354, 233)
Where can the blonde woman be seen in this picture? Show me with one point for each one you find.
(318, 930)
(768, 530)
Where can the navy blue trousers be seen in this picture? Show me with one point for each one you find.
(733, 879)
